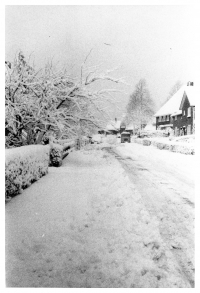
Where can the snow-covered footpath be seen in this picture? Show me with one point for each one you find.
(85, 225)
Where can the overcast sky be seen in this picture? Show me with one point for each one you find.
(158, 43)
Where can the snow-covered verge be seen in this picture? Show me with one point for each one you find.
(23, 166)
(184, 146)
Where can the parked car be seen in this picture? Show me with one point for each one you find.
(125, 137)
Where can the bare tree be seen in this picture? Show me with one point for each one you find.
(140, 107)
(39, 101)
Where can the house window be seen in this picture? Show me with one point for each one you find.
(184, 113)
(189, 112)
(175, 117)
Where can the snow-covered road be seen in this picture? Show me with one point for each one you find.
(165, 181)
(107, 218)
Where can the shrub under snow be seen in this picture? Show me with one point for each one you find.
(59, 150)
(56, 155)
(24, 165)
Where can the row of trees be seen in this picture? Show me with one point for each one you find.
(47, 101)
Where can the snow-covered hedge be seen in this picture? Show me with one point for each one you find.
(59, 150)
(146, 142)
(56, 155)
(24, 165)
(172, 146)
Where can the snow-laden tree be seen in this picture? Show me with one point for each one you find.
(140, 107)
(49, 100)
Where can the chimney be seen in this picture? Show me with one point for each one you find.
(190, 83)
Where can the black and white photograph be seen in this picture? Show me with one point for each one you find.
(100, 152)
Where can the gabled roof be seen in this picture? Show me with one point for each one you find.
(173, 104)
(191, 94)
(113, 125)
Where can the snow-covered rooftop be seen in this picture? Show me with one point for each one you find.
(191, 93)
(173, 104)
(113, 125)
(179, 112)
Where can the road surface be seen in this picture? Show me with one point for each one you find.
(113, 218)
(166, 182)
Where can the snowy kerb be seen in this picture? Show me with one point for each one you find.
(85, 225)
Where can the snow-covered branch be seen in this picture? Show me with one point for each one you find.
(45, 100)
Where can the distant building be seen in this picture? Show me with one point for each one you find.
(117, 127)
(113, 127)
(178, 113)
(184, 123)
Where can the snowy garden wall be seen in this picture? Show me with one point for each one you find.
(23, 166)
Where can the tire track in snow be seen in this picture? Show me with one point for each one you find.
(175, 222)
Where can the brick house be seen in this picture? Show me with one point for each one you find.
(185, 123)
(178, 112)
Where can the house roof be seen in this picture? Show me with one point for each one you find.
(113, 125)
(173, 104)
(191, 93)
(179, 112)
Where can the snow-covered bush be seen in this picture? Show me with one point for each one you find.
(146, 142)
(23, 166)
(56, 155)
